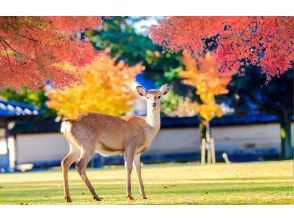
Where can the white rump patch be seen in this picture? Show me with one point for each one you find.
(65, 127)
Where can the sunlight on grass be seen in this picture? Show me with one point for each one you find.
(243, 183)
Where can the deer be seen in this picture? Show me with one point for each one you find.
(90, 133)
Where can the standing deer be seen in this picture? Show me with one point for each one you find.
(111, 135)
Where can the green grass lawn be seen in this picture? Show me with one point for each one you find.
(240, 183)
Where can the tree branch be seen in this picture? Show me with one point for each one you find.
(7, 56)
(16, 50)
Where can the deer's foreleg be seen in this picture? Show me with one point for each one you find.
(129, 157)
(137, 166)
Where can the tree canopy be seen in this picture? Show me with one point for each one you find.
(31, 46)
(105, 88)
(203, 74)
(266, 42)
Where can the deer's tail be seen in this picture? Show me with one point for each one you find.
(66, 126)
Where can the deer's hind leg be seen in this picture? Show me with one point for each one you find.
(81, 168)
(70, 158)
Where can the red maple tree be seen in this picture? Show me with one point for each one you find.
(267, 42)
(31, 46)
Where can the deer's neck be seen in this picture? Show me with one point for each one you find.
(153, 119)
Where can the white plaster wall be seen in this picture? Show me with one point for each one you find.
(228, 138)
(175, 140)
(53, 146)
(247, 137)
(40, 147)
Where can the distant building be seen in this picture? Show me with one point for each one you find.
(249, 138)
(27, 138)
(9, 112)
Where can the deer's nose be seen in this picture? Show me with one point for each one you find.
(153, 105)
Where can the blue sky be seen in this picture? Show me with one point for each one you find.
(143, 25)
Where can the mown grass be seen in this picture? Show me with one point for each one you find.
(240, 183)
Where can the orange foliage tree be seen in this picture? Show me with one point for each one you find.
(105, 88)
(30, 46)
(264, 41)
(204, 75)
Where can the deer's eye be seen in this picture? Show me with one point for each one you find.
(159, 97)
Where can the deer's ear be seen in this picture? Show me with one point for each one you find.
(141, 91)
(164, 89)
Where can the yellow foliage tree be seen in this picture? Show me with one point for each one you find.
(105, 88)
(203, 74)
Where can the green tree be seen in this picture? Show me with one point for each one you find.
(120, 36)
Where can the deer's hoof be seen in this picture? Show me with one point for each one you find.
(130, 197)
(144, 197)
(97, 198)
(68, 199)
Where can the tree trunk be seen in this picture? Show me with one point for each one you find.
(286, 145)
(202, 129)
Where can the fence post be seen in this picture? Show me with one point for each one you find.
(212, 150)
(203, 146)
(208, 151)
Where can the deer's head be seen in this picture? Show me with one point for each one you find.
(153, 96)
